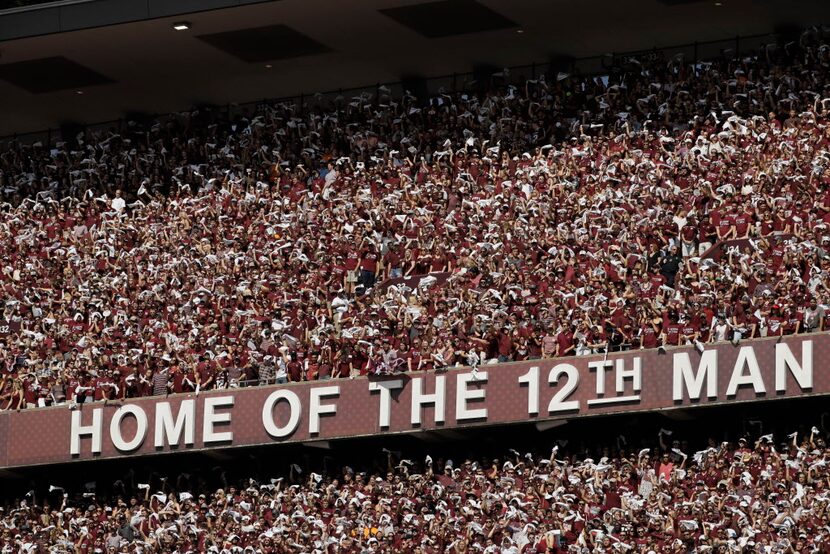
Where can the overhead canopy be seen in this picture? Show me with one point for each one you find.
(281, 48)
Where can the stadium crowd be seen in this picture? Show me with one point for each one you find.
(746, 497)
(386, 234)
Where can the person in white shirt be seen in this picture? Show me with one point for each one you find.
(331, 175)
(720, 330)
(282, 372)
(118, 204)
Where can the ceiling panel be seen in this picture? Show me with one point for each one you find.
(448, 18)
(261, 44)
(50, 75)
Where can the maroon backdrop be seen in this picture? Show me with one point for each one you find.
(42, 436)
(717, 251)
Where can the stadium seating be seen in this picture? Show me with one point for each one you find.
(746, 497)
(671, 203)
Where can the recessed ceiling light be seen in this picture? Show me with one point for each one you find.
(181, 26)
(79, 92)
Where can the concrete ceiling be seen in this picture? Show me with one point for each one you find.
(146, 66)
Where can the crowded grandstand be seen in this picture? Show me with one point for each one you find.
(764, 493)
(668, 203)
(665, 203)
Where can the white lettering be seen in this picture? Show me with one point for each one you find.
(420, 399)
(707, 370)
(784, 360)
(316, 409)
(211, 419)
(746, 358)
(268, 413)
(385, 389)
(464, 395)
(635, 374)
(140, 431)
(560, 402)
(532, 380)
(600, 367)
(79, 431)
(170, 430)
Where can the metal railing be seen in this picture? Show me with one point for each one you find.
(731, 48)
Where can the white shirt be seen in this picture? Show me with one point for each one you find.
(719, 331)
(331, 176)
(118, 204)
(282, 371)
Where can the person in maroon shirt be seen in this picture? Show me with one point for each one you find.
(177, 376)
(414, 361)
(742, 324)
(793, 321)
(296, 367)
(649, 332)
(565, 341)
(725, 227)
(106, 385)
(368, 266)
(205, 373)
(31, 388)
(145, 383)
(505, 346)
(671, 331)
(351, 263)
(689, 332)
(707, 234)
(743, 224)
(393, 261)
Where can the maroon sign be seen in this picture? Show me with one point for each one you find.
(720, 248)
(8, 328)
(536, 390)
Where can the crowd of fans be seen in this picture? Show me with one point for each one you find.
(752, 496)
(548, 219)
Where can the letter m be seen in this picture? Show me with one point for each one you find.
(170, 430)
(685, 377)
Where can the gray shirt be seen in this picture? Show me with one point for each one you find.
(812, 318)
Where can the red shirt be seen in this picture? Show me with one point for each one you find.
(565, 339)
(648, 337)
(369, 262)
(673, 334)
(352, 261)
(742, 223)
(505, 344)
